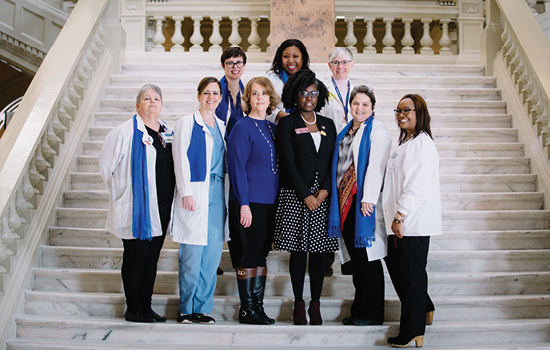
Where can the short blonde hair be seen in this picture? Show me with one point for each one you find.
(268, 86)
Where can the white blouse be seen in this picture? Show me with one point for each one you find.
(411, 186)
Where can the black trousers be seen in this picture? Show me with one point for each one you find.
(368, 276)
(250, 246)
(406, 263)
(139, 271)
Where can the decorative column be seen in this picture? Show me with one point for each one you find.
(445, 41)
(158, 39)
(407, 40)
(216, 38)
(235, 39)
(388, 39)
(369, 39)
(196, 39)
(350, 40)
(426, 42)
(470, 30)
(177, 38)
(254, 38)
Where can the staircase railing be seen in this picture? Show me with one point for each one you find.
(422, 31)
(38, 148)
(516, 52)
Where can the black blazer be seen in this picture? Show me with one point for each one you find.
(298, 158)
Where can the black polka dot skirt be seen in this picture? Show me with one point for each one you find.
(298, 229)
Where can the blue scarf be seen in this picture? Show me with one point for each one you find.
(141, 218)
(196, 153)
(236, 111)
(364, 225)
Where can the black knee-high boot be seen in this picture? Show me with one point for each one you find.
(259, 289)
(246, 278)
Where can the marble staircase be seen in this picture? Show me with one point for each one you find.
(488, 272)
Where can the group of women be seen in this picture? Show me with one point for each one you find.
(283, 163)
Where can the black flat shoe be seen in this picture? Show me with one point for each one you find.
(139, 316)
(403, 342)
(155, 316)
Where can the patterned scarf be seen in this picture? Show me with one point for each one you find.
(364, 225)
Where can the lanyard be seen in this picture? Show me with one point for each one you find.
(340, 97)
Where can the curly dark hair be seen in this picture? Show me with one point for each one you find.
(277, 65)
(422, 117)
(299, 82)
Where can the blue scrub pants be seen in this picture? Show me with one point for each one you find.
(197, 263)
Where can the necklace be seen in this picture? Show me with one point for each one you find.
(273, 163)
(313, 122)
(409, 136)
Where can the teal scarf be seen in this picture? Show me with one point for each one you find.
(141, 217)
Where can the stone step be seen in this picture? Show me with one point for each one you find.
(469, 183)
(187, 104)
(385, 93)
(459, 183)
(451, 240)
(446, 150)
(450, 201)
(448, 308)
(108, 332)
(154, 69)
(279, 284)
(187, 80)
(439, 261)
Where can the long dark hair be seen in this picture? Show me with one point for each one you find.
(277, 65)
(422, 117)
(299, 82)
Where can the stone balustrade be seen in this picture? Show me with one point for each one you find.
(38, 149)
(425, 30)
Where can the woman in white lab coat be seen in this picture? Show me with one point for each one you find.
(137, 167)
(200, 210)
(412, 211)
(359, 162)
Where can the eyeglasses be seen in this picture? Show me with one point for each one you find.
(405, 111)
(306, 94)
(230, 64)
(343, 62)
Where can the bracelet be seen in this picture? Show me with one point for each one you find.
(398, 221)
(245, 211)
(399, 216)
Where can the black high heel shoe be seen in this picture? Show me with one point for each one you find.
(403, 342)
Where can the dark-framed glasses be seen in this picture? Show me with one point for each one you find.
(343, 62)
(306, 94)
(405, 111)
(230, 64)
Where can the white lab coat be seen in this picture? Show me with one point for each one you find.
(191, 227)
(115, 168)
(411, 186)
(334, 109)
(379, 154)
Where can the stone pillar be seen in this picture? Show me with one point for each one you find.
(470, 23)
(133, 18)
(310, 21)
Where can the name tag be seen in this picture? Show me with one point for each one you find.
(168, 137)
(302, 130)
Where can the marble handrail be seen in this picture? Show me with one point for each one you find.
(38, 148)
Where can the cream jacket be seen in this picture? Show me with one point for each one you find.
(191, 227)
(115, 168)
(379, 154)
(334, 109)
(412, 187)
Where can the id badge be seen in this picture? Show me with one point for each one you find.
(168, 137)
